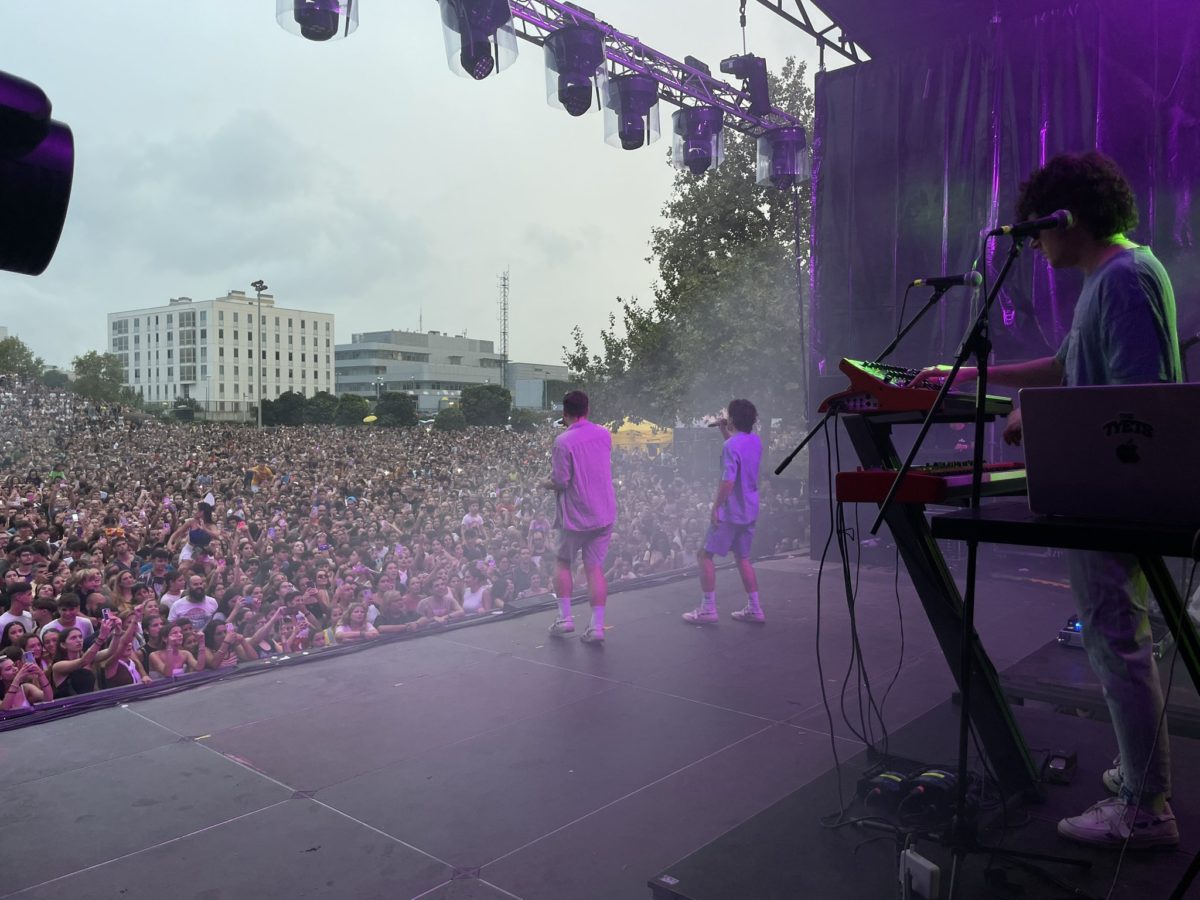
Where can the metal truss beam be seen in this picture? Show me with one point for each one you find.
(679, 83)
(843, 46)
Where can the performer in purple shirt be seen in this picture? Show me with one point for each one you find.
(581, 476)
(734, 512)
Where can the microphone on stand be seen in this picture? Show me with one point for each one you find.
(1056, 221)
(968, 279)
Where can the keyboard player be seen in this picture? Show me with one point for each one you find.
(1123, 332)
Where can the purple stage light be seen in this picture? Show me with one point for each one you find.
(479, 36)
(574, 68)
(783, 159)
(699, 139)
(631, 111)
(317, 20)
(37, 161)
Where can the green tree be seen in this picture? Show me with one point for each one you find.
(485, 404)
(321, 408)
(450, 419)
(287, 409)
(56, 378)
(17, 359)
(351, 410)
(98, 376)
(524, 420)
(396, 409)
(555, 390)
(725, 320)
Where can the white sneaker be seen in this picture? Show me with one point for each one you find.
(701, 616)
(562, 626)
(1111, 822)
(592, 636)
(748, 615)
(1114, 780)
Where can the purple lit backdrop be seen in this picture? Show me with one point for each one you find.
(916, 153)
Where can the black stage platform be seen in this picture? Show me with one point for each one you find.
(489, 762)
(784, 853)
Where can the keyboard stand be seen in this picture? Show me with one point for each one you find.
(998, 732)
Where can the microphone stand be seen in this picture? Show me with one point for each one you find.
(977, 343)
(938, 294)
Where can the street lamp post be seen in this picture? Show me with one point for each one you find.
(259, 286)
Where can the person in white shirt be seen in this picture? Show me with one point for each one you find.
(197, 607)
(20, 598)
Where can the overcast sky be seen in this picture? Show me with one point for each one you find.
(358, 177)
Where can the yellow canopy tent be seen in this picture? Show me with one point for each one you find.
(642, 435)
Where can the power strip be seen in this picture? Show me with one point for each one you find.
(919, 876)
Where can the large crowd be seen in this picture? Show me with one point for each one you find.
(133, 549)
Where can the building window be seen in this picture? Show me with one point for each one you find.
(302, 323)
(220, 315)
(235, 334)
(221, 352)
(204, 371)
(170, 371)
(203, 316)
(170, 317)
(204, 334)
(235, 318)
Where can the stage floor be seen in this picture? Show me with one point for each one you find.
(482, 763)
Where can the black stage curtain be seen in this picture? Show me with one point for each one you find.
(915, 156)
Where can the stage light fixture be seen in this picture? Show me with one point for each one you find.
(699, 139)
(37, 161)
(753, 72)
(480, 38)
(783, 159)
(575, 70)
(317, 20)
(631, 111)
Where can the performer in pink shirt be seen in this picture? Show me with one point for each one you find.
(581, 477)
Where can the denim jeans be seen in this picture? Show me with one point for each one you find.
(1111, 595)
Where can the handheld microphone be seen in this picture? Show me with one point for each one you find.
(969, 279)
(1056, 221)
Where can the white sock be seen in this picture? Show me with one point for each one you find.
(752, 599)
(598, 619)
(564, 607)
(710, 601)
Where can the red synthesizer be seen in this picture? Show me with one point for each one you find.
(936, 483)
(879, 388)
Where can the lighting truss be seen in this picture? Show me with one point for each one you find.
(842, 45)
(678, 82)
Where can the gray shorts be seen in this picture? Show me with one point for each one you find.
(726, 536)
(593, 544)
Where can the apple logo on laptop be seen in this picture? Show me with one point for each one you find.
(1128, 452)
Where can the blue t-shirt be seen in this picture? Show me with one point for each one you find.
(1123, 330)
(739, 463)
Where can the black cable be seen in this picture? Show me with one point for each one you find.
(857, 662)
(837, 763)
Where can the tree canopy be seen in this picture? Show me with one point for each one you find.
(17, 359)
(450, 419)
(100, 376)
(396, 409)
(351, 410)
(725, 320)
(485, 404)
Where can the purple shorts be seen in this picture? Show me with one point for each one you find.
(726, 536)
(594, 545)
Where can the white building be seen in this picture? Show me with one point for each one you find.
(209, 350)
(434, 367)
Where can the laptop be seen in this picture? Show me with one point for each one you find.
(1127, 452)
